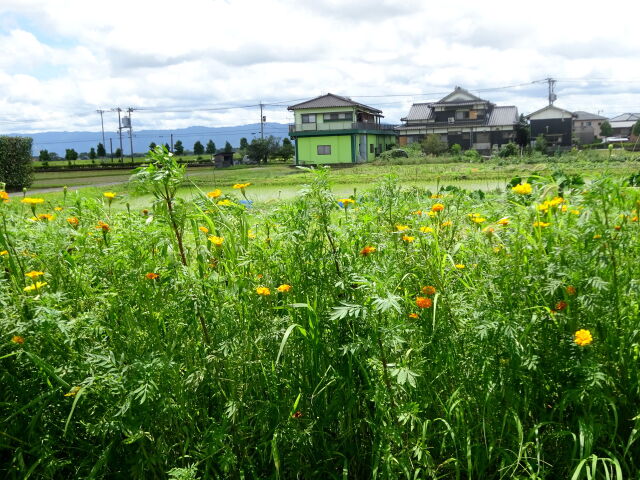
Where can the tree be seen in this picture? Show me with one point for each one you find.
(523, 133)
(118, 153)
(92, 153)
(16, 166)
(636, 129)
(432, 145)
(70, 154)
(260, 149)
(211, 148)
(541, 144)
(101, 151)
(243, 143)
(198, 148)
(178, 148)
(44, 156)
(287, 150)
(605, 129)
(152, 146)
(166, 145)
(228, 148)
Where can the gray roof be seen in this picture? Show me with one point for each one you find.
(474, 98)
(503, 116)
(581, 115)
(551, 107)
(419, 111)
(626, 117)
(330, 100)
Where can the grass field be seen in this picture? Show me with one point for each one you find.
(397, 332)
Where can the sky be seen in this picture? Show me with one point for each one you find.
(210, 62)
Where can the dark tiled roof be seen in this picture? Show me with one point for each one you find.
(474, 98)
(503, 116)
(330, 100)
(419, 111)
(626, 117)
(581, 115)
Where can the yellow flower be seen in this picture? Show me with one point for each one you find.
(503, 221)
(17, 339)
(408, 239)
(426, 229)
(36, 286)
(438, 207)
(436, 195)
(459, 266)
(284, 288)
(45, 216)
(250, 234)
(34, 274)
(583, 337)
(414, 315)
(226, 203)
(73, 221)
(264, 291)
(478, 219)
(402, 228)
(417, 212)
(596, 237)
(73, 392)
(109, 195)
(488, 230)
(103, 226)
(522, 189)
(241, 186)
(217, 241)
(448, 223)
(575, 212)
(367, 251)
(32, 201)
(58, 209)
(541, 224)
(214, 193)
(203, 229)
(346, 201)
(4, 196)
(3, 253)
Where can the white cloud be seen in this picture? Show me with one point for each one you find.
(62, 59)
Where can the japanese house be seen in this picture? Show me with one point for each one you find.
(554, 124)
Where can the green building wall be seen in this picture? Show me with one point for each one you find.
(344, 148)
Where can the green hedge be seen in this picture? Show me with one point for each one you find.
(16, 169)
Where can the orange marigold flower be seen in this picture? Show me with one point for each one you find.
(152, 276)
(448, 223)
(426, 229)
(145, 212)
(45, 216)
(4, 196)
(503, 221)
(571, 290)
(217, 241)
(32, 201)
(264, 291)
(560, 306)
(583, 337)
(103, 226)
(298, 414)
(541, 224)
(241, 186)
(414, 315)
(73, 221)
(408, 238)
(284, 288)
(618, 227)
(18, 339)
(423, 302)
(367, 251)
(203, 229)
(429, 290)
(438, 207)
(214, 193)
(402, 228)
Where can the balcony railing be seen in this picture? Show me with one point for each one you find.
(330, 126)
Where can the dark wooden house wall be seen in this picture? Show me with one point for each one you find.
(556, 126)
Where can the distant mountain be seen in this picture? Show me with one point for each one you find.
(58, 142)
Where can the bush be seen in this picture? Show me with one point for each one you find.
(432, 145)
(456, 149)
(393, 154)
(16, 169)
(472, 156)
(508, 150)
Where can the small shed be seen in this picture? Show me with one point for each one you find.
(223, 159)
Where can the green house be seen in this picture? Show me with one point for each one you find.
(335, 129)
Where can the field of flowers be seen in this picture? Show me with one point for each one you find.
(399, 333)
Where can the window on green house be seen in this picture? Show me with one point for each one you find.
(338, 117)
(371, 148)
(324, 149)
(309, 118)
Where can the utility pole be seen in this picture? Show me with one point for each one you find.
(172, 143)
(130, 110)
(262, 119)
(552, 96)
(102, 124)
(111, 148)
(119, 129)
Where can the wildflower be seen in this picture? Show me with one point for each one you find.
(488, 230)
(32, 201)
(436, 195)
(429, 290)
(438, 207)
(541, 224)
(402, 228)
(241, 186)
(571, 290)
(73, 221)
(575, 212)
(109, 195)
(250, 234)
(497, 249)
(459, 266)
(503, 221)
(45, 216)
(18, 339)
(414, 315)
(448, 223)
(417, 212)
(3, 253)
(36, 286)
(217, 241)
(478, 219)
(214, 193)
(264, 291)
(203, 229)
(596, 236)
(560, 306)
(4, 196)
(33, 274)
(432, 214)
(152, 276)
(344, 202)
(145, 212)
(298, 414)
(522, 189)
(58, 209)
(226, 203)
(103, 226)
(284, 288)
(423, 302)
(408, 238)
(73, 392)
(634, 218)
(367, 251)
(426, 229)
(583, 337)
(618, 227)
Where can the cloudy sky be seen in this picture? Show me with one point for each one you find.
(184, 63)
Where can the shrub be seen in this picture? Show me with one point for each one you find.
(472, 156)
(16, 169)
(456, 149)
(509, 150)
(541, 144)
(392, 154)
(432, 145)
